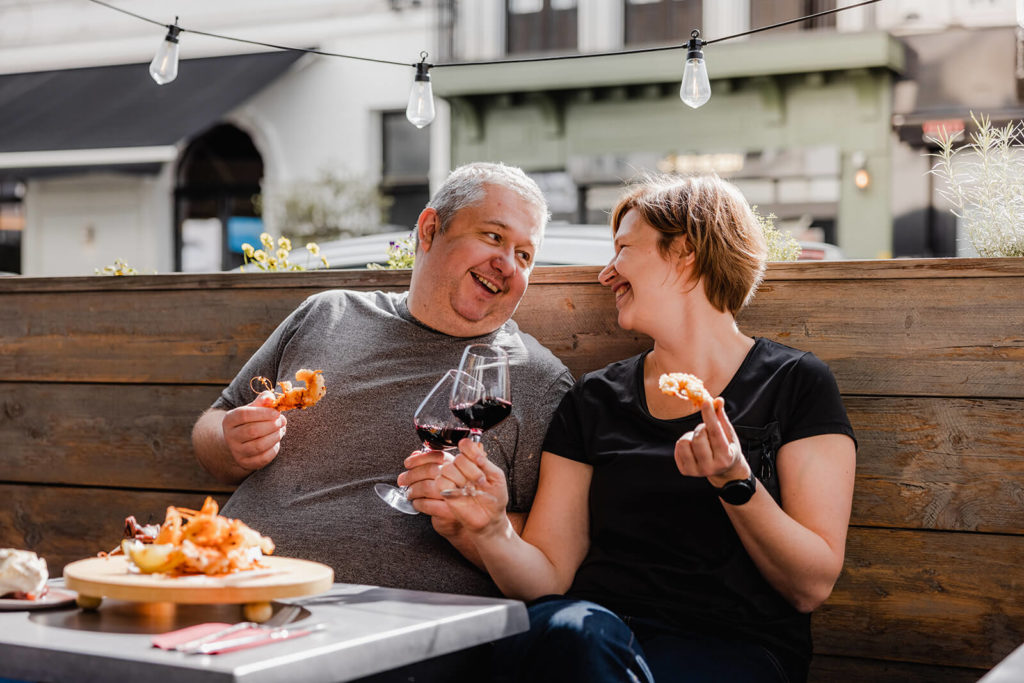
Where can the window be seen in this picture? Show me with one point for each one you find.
(661, 21)
(768, 13)
(12, 225)
(541, 25)
(406, 168)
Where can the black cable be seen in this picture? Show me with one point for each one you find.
(312, 51)
(518, 60)
(252, 42)
(131, 14)
(791, 21)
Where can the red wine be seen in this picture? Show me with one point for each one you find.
(484, 413)
(440, 437)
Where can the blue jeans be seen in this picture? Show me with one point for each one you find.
(575, 640)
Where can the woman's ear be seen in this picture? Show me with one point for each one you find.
(426, 228)
(684, 253)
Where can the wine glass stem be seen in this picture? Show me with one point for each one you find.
(475, 435)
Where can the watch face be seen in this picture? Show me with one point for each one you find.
(738, 492)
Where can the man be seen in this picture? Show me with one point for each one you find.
(306, 480)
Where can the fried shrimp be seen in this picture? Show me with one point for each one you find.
(290, 398)
(685, 386)
(199, 542)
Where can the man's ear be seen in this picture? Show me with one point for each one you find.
(426, 228)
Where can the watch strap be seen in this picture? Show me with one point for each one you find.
(738, 491)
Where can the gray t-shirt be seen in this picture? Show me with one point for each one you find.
(316, 499)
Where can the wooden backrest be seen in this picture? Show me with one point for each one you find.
(101, 380)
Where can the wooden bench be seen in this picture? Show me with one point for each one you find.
(101, 380)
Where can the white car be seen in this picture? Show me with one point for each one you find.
(564, 245)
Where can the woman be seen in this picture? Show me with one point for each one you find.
(670, 544)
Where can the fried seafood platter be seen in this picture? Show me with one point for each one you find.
(196, 557)
(195, 542)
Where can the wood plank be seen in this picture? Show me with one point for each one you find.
(923, 463)
(932, 337)
(579, 323)
(386, 279)
(317, 279)
(930, 597)
(180, 336)
(64, 524)
(122, 436)
(896, 268)
(936, 337)
(826, 669)
(953, 464)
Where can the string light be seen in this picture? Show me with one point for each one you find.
(695, 89)
(420, 110)
(164, 67)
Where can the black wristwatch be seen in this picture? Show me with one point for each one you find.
(738, 491)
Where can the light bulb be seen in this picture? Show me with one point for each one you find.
(696, 88)
(862, 178)
(164, 67)
(420, 111)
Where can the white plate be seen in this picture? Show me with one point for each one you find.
(53, 598)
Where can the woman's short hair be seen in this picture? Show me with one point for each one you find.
(709, 216)
(466, 185)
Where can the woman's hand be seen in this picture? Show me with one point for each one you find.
(713, 449)
(484, 510)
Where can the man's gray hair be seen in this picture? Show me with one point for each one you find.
(466, 185)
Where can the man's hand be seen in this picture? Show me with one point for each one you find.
(253, 433)
(421, 471)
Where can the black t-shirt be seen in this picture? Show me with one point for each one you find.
(661, 545)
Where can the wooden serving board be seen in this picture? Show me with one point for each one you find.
(283, 577)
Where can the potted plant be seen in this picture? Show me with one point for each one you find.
(984, 182)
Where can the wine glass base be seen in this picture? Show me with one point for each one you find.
(395, 497)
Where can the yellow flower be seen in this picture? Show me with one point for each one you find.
(267, 241)
(282, 254)
(260, 256)
(284, 243)
(323, 260)
(247, 249)
(313, 248)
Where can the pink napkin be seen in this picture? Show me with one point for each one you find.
(166, 641)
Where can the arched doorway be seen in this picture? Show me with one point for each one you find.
(217, 178)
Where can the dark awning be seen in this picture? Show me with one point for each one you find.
(120, 111)
(955, 73)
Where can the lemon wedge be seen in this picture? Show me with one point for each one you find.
(150, 558)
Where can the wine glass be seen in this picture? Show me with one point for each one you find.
(481, 396)
(438, 428)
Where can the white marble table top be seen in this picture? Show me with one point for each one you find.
(1010, 670)
(369, 630)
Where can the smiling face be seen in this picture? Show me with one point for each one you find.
(644, 282)
(469, 280)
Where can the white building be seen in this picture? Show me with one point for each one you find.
(109, 165)
(99, 163)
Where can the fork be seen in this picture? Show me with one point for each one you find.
(274, 634)
(283, 616)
